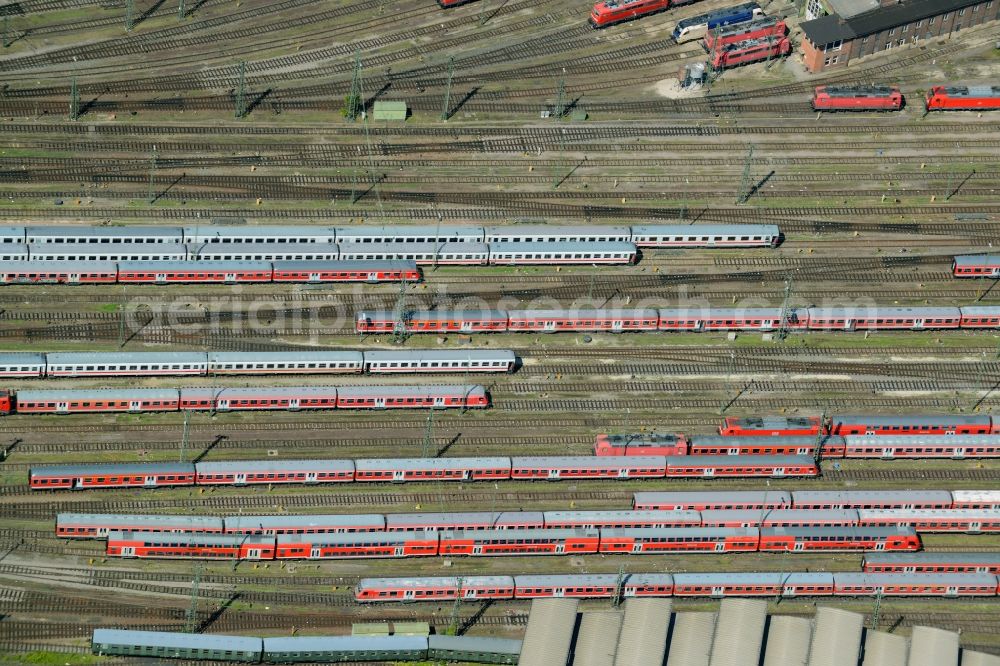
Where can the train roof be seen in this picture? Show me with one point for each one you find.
(497, 247)
(130, 519)
(106, 248)
(468, 517)
(125, 358)
(67, 230)
(417, 464)
(879, 579)
(283, 356)
(715, 496)
(338, 538)
(972, 91)
(810, 531)
(737, 440)
(343, 264)
(311, 520)
(21, 358)
(882, 312)
(259, 231)
(558, 230)
(236, 392)
(437, 581)
(404, 233)
(275, 466)
(693, 532)
(269, 247)
(971, 496)
(980, 310)
(905, 441)
(588, 462)
(196, 539)
(903, 419)
(705, 230)
(567, 580)
(441, 355)
(725, 11)
(175, 640)
(478, 644)
(56, 266)
(621, 515)
(935, 558)
(869, 496)
(753, 578)
(424, 390)
(527, 533)
(8, 231)
(113, 469)
(723, 313)
(740, 461)
(744, 515)
(744, 26)
(584, 313)
(179, 266)
(364, 644)
(952, 514)
(772, 422)
(858, 91)
(420, 247)
(435, 315)
(13, 250)
(977, 259)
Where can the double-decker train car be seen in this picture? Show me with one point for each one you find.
(464, 521)
(641, 444)
(190, 546)
(519, 542)
(696, 27)
(976, 265)
(763, 27)
(930, 424)
(306, 524)
(680, 539)
(931, 563)
(963, 98)
(344, 545)
(857, 98)
(798, 539)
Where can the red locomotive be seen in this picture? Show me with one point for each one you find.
(610, 12)
(963, 98)
(445, 4)
(857, 98)
(641, 444)
(751, 50)
(759, 28)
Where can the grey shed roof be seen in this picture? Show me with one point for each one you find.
(739, 633)
(345, 643)
(837, 638)
(643, 638)
(972, 658)
(691, 641)
(933, 647)
(787, 641)
(597, 638)
(176, 640)
(474, 644)
(882, 649)
(849, 8)
(549, 633)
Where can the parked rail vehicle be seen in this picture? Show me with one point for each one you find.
(861, 426)
(95, 526)
(202, 364)
(610, 12)
(749, 51)
(771, 426)
(445, 4)
(222, 399)
(325, 649)
(815, 500)
(641, 444)
(702, 320)
(709, 585)
(759, 28)
(506, 542)
(245, 237)
(931, 563)
(548, 468)
(977, 265)
(963, 98)
(696, 27)
(857, 98)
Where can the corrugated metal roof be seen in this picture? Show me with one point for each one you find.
(739, 632)
(597, 639)
(176, 640)
(787, 641)
(691, 640)
(473, 644)
(882, 649)
(549, 634)
(930, 646)
(973, 658)
(345, 643)
(643, 638)
(836, 639)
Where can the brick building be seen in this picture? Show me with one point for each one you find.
(834, 39)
